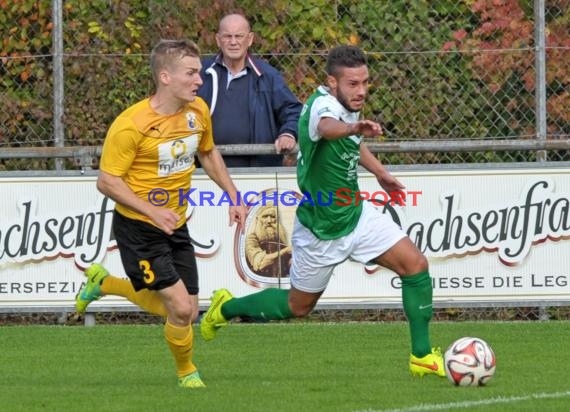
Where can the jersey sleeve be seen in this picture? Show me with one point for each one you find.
(321, 107)
(207, 139)
(119, 148)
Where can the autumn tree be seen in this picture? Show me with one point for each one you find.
(504, 57)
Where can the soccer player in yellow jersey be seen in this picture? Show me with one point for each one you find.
(152, 145)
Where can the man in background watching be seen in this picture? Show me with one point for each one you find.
(249, 100)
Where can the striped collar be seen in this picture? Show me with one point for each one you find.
(249, 63)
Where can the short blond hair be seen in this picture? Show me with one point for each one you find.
(166, 52)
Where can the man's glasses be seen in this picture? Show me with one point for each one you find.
(228, 37)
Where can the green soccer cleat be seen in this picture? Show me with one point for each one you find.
(213, 318)
(432, 363)
(92, 289)
(192, 381)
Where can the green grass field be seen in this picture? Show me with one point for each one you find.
(301, 367)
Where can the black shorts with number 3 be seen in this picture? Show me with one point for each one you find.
(151, 258)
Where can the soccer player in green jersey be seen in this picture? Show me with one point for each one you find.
(330, 139)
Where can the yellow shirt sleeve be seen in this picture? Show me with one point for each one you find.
(207, 140)
(120, 147)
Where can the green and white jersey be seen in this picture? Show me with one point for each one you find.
(327, 170)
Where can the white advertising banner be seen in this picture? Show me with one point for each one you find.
(498, 235)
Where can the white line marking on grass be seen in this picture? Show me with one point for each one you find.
(470, 404)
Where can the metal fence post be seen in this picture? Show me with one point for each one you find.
(58, 89)
(89, 320)
(540, 67)
(543, 313)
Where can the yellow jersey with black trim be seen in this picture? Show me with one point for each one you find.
(154, 153)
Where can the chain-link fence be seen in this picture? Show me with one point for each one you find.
(444, 70)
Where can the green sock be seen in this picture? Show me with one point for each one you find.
(269, 304)
(417, 296)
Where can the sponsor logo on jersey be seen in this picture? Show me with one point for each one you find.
(176, 156)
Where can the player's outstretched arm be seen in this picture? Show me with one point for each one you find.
(331, 128)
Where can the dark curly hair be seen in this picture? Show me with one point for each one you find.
(344, 56)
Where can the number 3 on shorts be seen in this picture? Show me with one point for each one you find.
(148, 273)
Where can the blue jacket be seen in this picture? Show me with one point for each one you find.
(273, 108)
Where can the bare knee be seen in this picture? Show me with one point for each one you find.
(181, 313)
(417, 264)
(181, 308)
(194, 317)
(302, 303)
(195, 307)
(301, 311)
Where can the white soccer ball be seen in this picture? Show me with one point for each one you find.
(469, 362)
